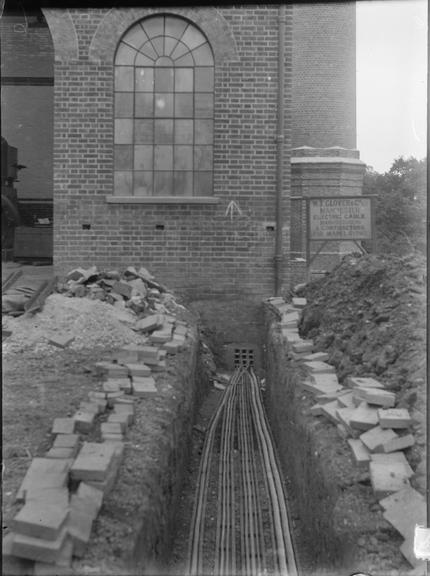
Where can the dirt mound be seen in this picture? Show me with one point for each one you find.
(369, 314)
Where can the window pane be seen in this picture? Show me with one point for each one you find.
(142, 60)
(153, 26)
(143, 183)
(165, 61)
(144, 79)
(179, 51)
(124, 78)
(163, 132)
(163, 183)
(125, 54)
(164, 105)
(163, 159)
(193, 37)
(204, 132)
(183, 80)
(143, 105)
(123, 157)
(203, 55)
(184, 105)
(158, 44)
(203, 157)
(183, 158)
(175, 26)
(163, 80)
(203, 185)
(148, 50)
(204, 105)
(143, 157)
(169, 45)
(144, 131)
(123, 105)
(136, 36)
(123, 131)
(186, 60)
(123, 183)
(184, 131)
(183, 183)
(204, 79)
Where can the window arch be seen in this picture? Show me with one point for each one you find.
(164, 108)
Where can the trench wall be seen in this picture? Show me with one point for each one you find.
(313, 467)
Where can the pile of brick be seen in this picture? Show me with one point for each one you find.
(62, 493)
(366, 416)
(134, 289)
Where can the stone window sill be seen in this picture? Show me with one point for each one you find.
(162, 200)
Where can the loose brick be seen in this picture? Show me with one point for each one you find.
(40, 520)
(66, 441)
(61, 453)
(356, 382)
(143, 386)
(63, 426)
(374, 438)
(84, 421)
(38, 549)
(318, 388)
(359, 451)
(318, 367)
(299, 302)
(161, 336)
(93, 462)
(113, 437)
(387, 478)
(394, 418)
(399, 443)
(123, 288)
(364, 417)
(87, 499)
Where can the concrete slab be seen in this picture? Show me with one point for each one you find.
(358, 382)
(344, 416)
(149, 323)
(62, 453)
(160, 367)
(13, 565)
(149, 355)
(374, 438)
(316, 356)
(330, 411)
(124, 410)
(316, 410)
(360, 453)
(299, 302)
(89, 407)
(52, 496)
(330, 396)
(171, 347)
(124, 420)
(43, 473)
(318, 367)
(387, 478)
(290, 335)
(111, 385)
(97, 396)
(108, 483)
(377, 396)
(402, 499)
(303, 346)
(45, 569)
(317, 389)
(111, 428)
(346, 400)
(407, 549)
(394, 418)
(87, 499)
(38, 549)
(40, 520)
(63, 426)
(393, 457)
(143, 386)
(364, 417)
(93, 462)
(399, 443)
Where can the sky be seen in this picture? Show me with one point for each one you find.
(391, 81)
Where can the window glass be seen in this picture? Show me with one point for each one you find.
(164, 110)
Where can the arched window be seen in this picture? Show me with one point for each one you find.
(164, 103)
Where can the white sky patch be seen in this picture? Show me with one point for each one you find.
(391, 80)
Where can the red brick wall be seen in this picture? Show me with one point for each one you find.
(201, 250)
(324, 74)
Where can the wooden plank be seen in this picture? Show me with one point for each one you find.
(10, 280)
(38, 299)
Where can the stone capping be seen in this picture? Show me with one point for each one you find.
(162, 200)
(326, 160)
(118, 20)
(63, 33)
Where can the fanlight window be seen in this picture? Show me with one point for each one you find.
(164, 110)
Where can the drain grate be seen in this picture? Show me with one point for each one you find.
(243, 357)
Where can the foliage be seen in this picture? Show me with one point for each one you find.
(400, 205)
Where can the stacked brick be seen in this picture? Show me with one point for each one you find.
(366, 416)
(62, 493)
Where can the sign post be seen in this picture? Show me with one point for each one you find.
(339, 218)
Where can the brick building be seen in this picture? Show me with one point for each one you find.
(175, 137)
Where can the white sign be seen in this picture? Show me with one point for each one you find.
(340, 218)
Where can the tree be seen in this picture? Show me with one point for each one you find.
(400, 205)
